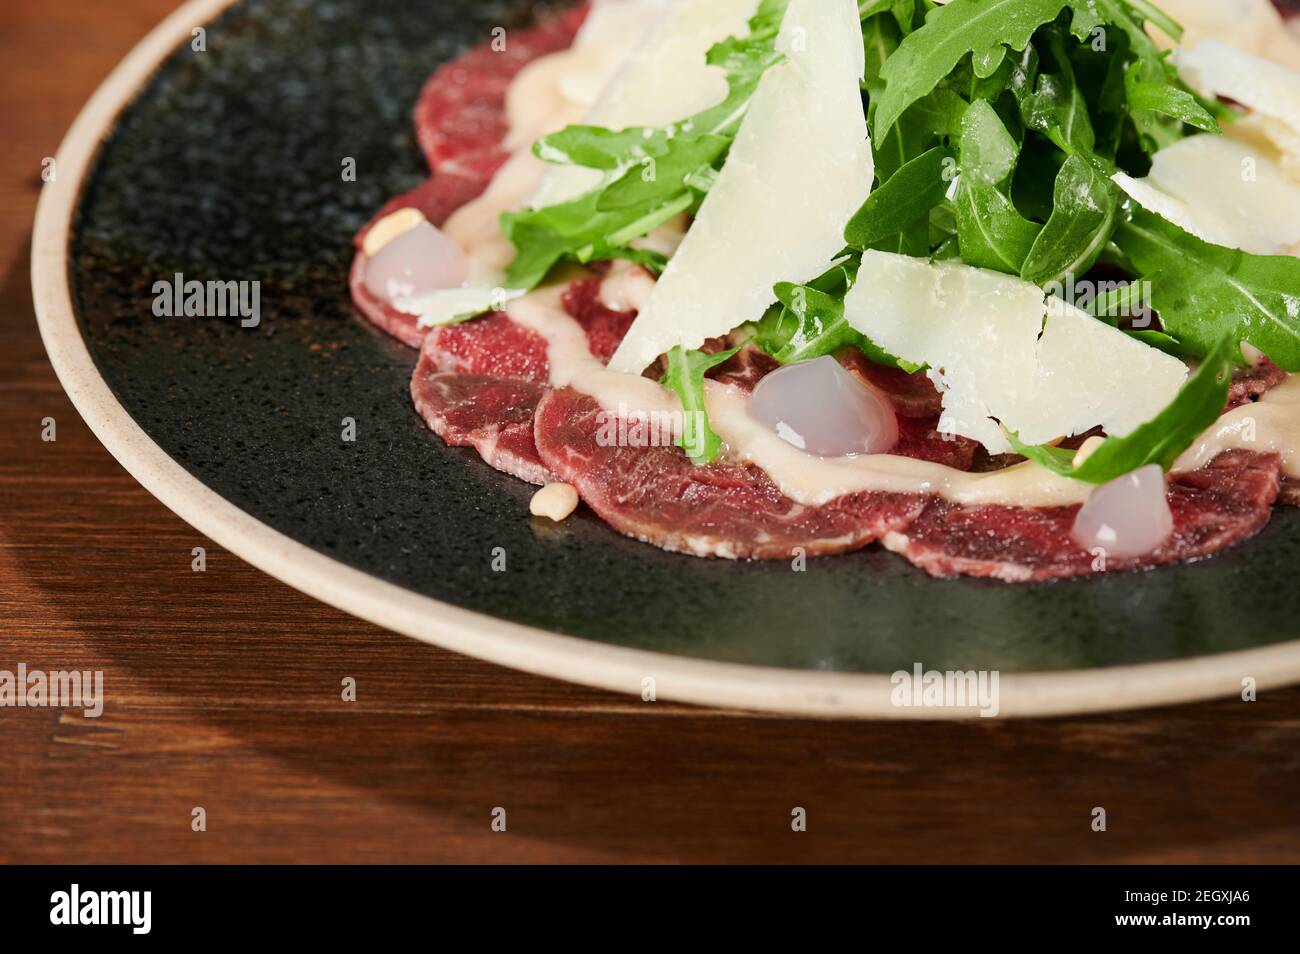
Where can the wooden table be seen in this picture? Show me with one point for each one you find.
(223, 687)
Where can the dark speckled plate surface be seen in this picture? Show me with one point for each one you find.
(227, 166)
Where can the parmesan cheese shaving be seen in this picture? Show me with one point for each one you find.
(1003, 358)
(801, 165)
(1222, 191)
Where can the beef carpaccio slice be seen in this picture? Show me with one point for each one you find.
(727, 510)
(478, 384)
(460, 117)
(482, 384)
(1213, 508)
(1250, 384)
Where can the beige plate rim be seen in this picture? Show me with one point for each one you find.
(822, 694)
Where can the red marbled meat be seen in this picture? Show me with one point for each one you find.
(728, 510)
(478, 384)
(492, 415)
(913, 395)
(1249, 384)
(483, 384)
(1213, 508)
(605, 327)
(460, 117)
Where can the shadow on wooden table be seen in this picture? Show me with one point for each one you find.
(224, 691)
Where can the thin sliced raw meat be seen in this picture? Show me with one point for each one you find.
(1251, 383)
(492, 415)
(478, 384)
(491, 345)
(604, 326)
(1213, 508)
(460, 117)
(657, 495)
(920, 438)
(913, 395)
(745, 368)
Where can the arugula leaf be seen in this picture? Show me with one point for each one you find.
(1162, 342)
(905, 198)
(819, 326)
(1034, 184)
(1160, 440)
(1205, 291)
(1155, 130)
(579, 230)
(652, 174)
(1169, 101)
(880, 38)
(1056, 107)
(592, 146)
(962, 27)
(1153, 14)
(823, 329)
(990, 230)
(986, 63)
(903, 11)
(1124, 300)
(921, 127)
(685, 375)
(809, 321)
(939, 113)
(1110, 99)
(1015, 75)
(1083, 218)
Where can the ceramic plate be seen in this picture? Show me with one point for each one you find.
(224, 164)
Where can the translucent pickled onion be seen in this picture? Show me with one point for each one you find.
(825, 410)
(1128, 517)
(419, 261)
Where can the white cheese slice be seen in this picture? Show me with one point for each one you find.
(1091, 374)
(997, 354)
(1223, 191)
(801, 165)
(664, 79)
(1213, 69)
(667, 77)
(1248, 25)
(1271, 91)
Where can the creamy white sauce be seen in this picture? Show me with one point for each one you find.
(1269, 425)
(626, 287)
(572, 363)
(538, 104)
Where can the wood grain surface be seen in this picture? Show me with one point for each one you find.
(223, 687)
